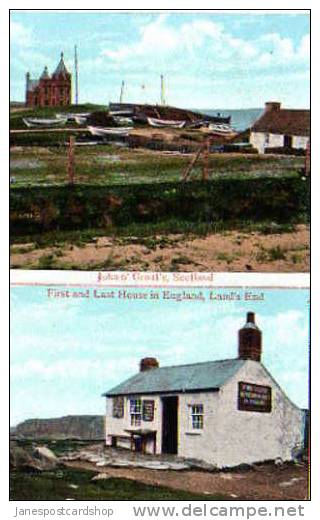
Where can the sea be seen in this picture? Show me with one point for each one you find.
(241, 118)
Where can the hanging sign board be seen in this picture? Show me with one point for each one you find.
(254, 398)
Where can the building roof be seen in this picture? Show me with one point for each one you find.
(61, 68)
(45, 74)
(210, 375)
(284, 121)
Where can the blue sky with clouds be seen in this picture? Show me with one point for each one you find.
(66, 353)
(209, 60)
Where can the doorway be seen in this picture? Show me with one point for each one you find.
(170, 424)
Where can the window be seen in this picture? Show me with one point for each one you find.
(148, 411)
(196, 416)
(118, 407)
(135, 412)
(267, 139)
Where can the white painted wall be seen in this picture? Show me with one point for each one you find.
(259, 140)
(248, 437)
(198, 444)
(299, 141)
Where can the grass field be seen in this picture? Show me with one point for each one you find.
(111, 165)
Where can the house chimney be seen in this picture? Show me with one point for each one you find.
(250, 340)
(148, 363)
(272, 106)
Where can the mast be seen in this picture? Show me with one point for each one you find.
(76, 75)
(122, 92)
(162, 96)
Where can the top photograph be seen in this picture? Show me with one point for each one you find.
(160, 141)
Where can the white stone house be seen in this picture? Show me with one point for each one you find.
(226, 412)
(281, 128)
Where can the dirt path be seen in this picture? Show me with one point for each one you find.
(230, 251)
(265, 482)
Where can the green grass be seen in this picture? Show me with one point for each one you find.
(108, 165)
(271, 254)
(55, 485)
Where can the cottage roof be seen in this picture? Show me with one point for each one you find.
(284, 121)
(182, 378)
(61, 68)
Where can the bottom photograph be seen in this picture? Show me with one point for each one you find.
(164, 392)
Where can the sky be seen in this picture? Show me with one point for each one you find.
(66, 352)
(209, 60)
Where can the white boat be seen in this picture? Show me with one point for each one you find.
(221, 129)
(121, 113)
(105, 132)
(33, 122)
(165, 123)
(80, 119)
(122, 121)
(69, 116)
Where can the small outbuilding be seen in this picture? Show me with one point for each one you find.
(281, 128)
(227, 412)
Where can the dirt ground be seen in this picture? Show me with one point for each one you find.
(229, 251)
(262, 482)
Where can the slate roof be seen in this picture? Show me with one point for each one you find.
(284, 121)
(182, 378)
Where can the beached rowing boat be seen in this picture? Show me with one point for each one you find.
(105, 132)
(165, 123)
(122, 121)
(69, 116)
(80, 119)
(221, 129)
(33, 122)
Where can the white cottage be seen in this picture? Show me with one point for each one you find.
(281, 128)
(225, 412)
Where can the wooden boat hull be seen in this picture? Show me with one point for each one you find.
(105, 132)
(163, 123)
(222, 129)
(36, 123)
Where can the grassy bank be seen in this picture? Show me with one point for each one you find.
(67, 483)
(176, 206)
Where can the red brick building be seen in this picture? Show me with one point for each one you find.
(51, 91)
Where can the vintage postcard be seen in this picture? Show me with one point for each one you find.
(163, 141)
(159, 250)
(159, 389)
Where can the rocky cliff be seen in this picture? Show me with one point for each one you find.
(86, 427)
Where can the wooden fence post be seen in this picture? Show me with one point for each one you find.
(71, 160)
(206, 155)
